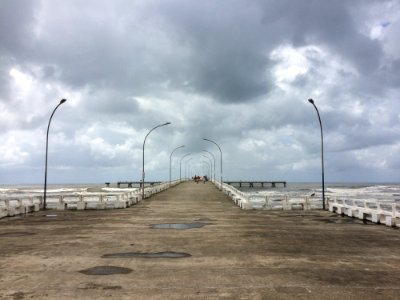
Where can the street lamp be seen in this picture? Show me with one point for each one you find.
(207, 165)
(221, 156)
(47, 148)
(170, 162)
(187, 166)
(180, 166)
(210, 165)
(212, 155)
(144, 142)
(322, 154)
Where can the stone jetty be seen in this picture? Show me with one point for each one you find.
(192, 242)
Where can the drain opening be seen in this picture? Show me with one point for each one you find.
(178, 225)
(166, 254)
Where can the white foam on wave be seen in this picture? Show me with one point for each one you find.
(380, 192)
(3, 190)
(122, 190)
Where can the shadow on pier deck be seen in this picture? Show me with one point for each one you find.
(234, 254)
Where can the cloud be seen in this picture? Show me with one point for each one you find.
(237, 72)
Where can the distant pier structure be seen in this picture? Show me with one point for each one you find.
(255, 184)
(134, 183)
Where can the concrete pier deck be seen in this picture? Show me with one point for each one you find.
(236, 254)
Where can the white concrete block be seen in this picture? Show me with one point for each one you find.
(390, 221)
(81, 205)
(101, 205)
(61, 206)
(375, 217)
(349, 212)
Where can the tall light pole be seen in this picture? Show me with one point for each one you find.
(322, 154)
(221, 156)
(212, 155)
(180, 166)
(170, 162)
(144, 142)
(209, 165)
(47, 148)
(187, 166)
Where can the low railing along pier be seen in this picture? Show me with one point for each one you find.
(22, 204)
(367, 209)
(364, 209)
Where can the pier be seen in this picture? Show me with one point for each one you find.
(191, 242)
(130, 184)
(253, 184)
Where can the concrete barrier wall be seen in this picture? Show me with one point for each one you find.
(367, 209)
(277, 202)
(364, 209)
(11, 206)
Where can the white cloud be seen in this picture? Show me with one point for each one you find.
(238, 73)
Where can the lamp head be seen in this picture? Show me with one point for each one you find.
(167, 123)
(311, 101)
(63, 100)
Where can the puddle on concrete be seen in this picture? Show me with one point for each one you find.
(344, 221)
(181, 226)
(297, 215)
(16, 234)
(51, 216)
(106, 270)
(166, 254)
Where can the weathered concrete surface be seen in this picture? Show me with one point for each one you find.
(238, 255)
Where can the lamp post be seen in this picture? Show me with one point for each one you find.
(170, 162)
(322, 154)
(187, 166)
(210, 165)
(221, 156)
(207, 165)
(144, 142)
(212, 155)
(180, 166)
(47, 148)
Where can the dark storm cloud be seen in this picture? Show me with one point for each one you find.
(323, 22)
(16, 20)
(237, 72)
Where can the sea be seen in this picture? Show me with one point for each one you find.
(382, 192)
(7, 191)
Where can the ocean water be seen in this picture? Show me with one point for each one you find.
(382, 192)
(59, 189)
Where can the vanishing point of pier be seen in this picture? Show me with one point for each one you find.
(192, 242)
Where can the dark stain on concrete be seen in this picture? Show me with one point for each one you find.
(16, 234)
(181, 226)
(167, 254)
(106, 270)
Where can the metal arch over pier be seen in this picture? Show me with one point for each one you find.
(253, 184)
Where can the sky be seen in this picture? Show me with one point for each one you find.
(236, 72)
